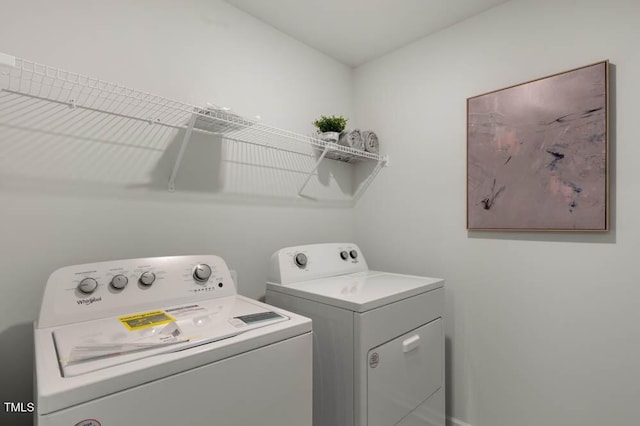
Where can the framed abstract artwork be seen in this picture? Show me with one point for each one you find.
(537, 154)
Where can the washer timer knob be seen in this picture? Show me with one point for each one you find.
(353, 254)
(301, 260)
(88, 285)
(119, 282)
(147, 278)
(202, 272)
(344, 255)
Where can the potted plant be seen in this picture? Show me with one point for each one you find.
(330, 127)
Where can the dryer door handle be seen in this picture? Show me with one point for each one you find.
(411, 343)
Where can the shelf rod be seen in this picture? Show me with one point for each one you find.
(183, 147)
(72, 104)
(324, 152)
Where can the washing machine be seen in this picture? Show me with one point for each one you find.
(167, 341)
(378, 337)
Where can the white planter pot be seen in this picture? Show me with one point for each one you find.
(330, 136)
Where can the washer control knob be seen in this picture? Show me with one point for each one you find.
(147, 278)
(202, 272)
(301, 260)
(88, 285)
(119, 282)
(344, 255)
(353, 254)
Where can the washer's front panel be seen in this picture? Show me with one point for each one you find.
(270, 386)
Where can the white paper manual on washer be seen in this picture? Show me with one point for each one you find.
(152, 332)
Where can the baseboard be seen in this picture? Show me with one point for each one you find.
(452, 421)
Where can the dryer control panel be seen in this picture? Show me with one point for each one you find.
(97, 290)
(314, 261)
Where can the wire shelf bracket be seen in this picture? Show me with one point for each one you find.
(312, 171)
(183, 148)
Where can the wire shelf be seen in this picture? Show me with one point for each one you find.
(26, 78)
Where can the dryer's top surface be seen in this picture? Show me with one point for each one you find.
(360, 291)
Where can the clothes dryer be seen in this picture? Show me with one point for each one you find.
(378, 336)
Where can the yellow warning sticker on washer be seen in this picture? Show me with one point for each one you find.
(145, 320)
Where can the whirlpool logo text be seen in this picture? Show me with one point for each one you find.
(89, 301)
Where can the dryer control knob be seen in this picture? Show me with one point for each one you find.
(301, 260)
(119, 282)
(147, 278)
(202, 272)
(353, 254)
(344, 255)
(88, 285)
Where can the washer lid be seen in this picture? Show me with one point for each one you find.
(94, 345)
(361, 291)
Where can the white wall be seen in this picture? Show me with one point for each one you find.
(68, 201)
(542, 329)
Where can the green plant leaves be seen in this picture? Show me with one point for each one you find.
(331, 124)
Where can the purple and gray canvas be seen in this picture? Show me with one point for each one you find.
(537, 154)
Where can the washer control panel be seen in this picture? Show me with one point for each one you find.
(301, 263)
(96, 290)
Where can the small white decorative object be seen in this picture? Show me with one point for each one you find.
(330, 136)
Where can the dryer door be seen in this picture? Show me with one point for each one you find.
(403, 373)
